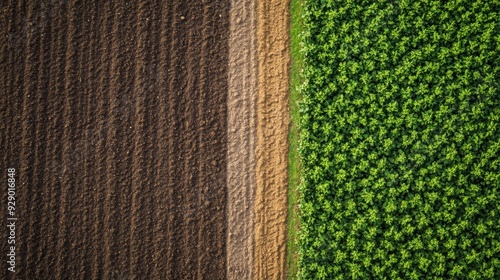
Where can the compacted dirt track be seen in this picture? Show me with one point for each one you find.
(272, 140)
(114, 115)
(242, 103)
(257, 139)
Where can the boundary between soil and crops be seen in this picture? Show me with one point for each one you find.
(294, 167)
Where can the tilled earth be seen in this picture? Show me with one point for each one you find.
(114, 115)
(149, 138)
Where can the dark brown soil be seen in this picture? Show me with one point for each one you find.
(114, 116)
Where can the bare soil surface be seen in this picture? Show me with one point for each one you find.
(272, 140)
(114, 115)
(241, 137)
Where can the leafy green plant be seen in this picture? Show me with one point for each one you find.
(400, 140)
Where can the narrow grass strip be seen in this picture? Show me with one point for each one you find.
(296, 27)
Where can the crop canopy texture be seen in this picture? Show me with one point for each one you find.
(400, 140)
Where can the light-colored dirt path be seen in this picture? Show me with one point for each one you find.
(242, 102)
(258, 121)
(272, 140)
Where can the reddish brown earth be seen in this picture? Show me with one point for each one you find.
(114, 116)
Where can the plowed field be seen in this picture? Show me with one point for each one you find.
(149, 138)
(114, 115)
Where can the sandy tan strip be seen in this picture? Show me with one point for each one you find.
(242, 102)
(272, 140)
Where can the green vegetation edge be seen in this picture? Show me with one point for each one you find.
(400, 140)
(296, 57)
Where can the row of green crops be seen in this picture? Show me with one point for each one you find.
(400, 140)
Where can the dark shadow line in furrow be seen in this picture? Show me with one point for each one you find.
(150, 155)
(125, 152)
(77, 229)
(201, 134)
(64, 256)
(26, 165)
(84, 244)
(147, 200)
(162, 200)
(100, 262)
(92, 163)
(92, 166)
(182, 267)
(56, 85)
(171, 149)
(113, 194)
(137, 143)
(40, 165)
(175, 101)
(218, 55)
(214, 244)
(190, 215)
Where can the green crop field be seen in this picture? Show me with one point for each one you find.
(400, 140)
